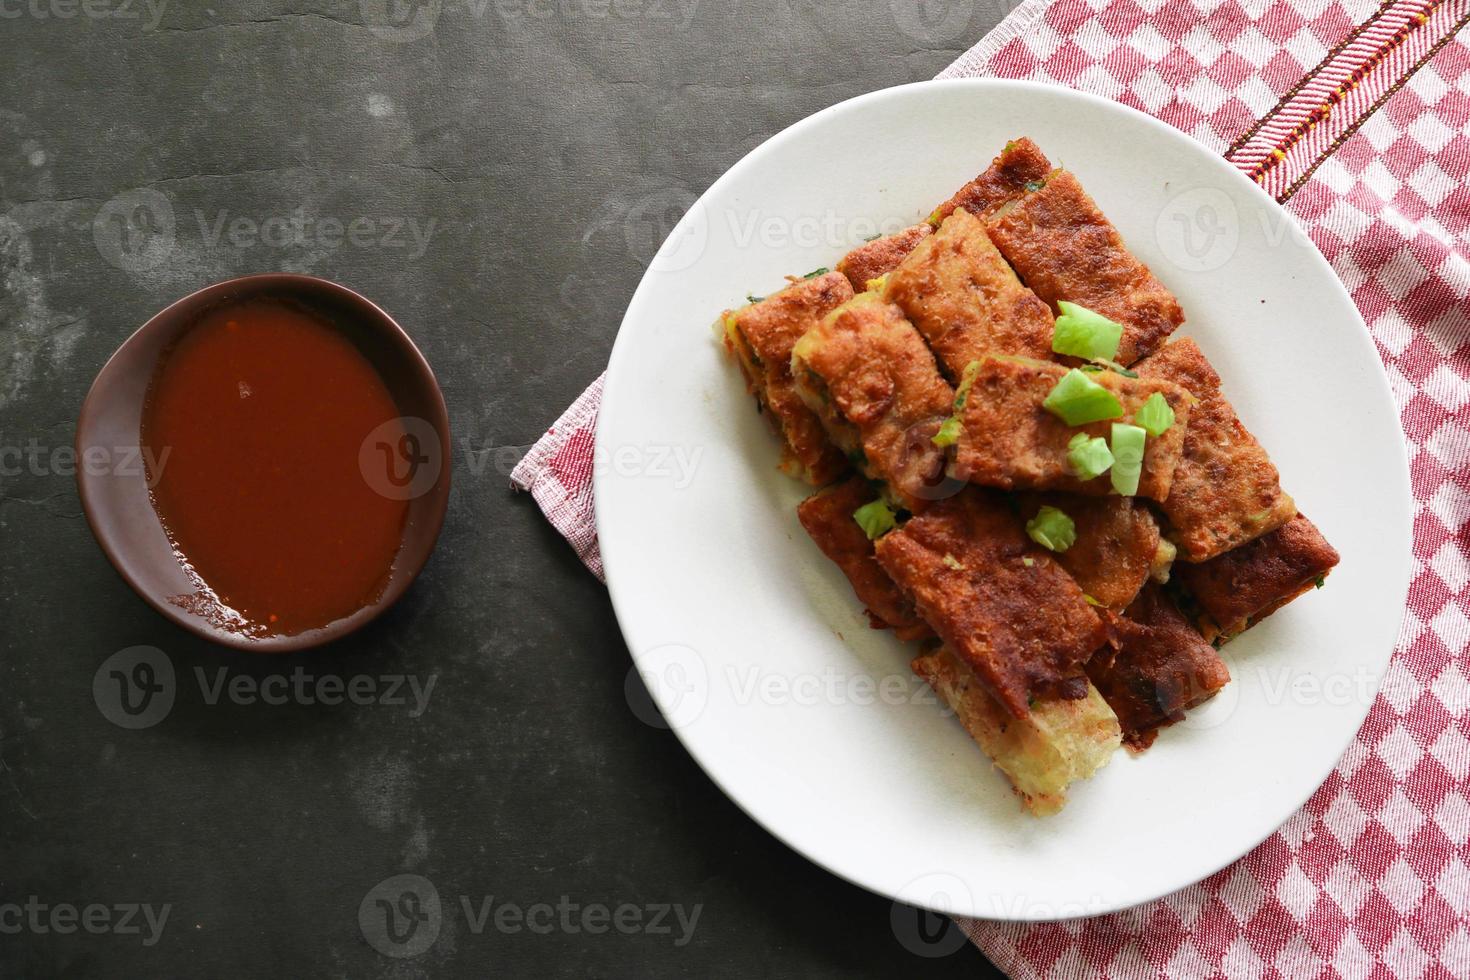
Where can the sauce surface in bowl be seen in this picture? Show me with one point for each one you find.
(257, 417)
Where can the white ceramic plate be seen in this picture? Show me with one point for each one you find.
(755, 648)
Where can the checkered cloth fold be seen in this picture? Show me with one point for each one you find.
(1356, 117)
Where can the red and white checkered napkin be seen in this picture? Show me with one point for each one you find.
(1357, 117)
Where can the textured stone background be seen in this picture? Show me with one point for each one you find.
(508, 166)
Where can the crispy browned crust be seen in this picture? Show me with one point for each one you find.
(960, 294)
(995, 598)
(869, 364)
(1226, 491)
(1019, 164)
(1117, 543)
(1157, 668)
(1066, 249)
(827, 517)
(1242, 587)
(880, 256)
(1009, 440)
(761, 336)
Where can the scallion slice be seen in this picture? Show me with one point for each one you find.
(1052, 529)
(876, 519)
(1077, 400)
(1155, 416)
(948, 434)
(967, 381)
(1128, 443)
(1089, 456)
(1083, 333)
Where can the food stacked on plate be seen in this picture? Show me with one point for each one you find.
(1020, 471)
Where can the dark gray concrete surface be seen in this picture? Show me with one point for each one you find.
(499, 160)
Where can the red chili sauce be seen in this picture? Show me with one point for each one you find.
(262, 408)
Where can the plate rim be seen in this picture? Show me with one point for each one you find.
(611, 394)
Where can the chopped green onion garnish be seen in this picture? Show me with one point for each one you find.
(817, 272)
(1052, 529)
(753, 299)
(1320, 581)
(1089, 456)
(950, 561)
(967, 381)
(876, 519)
(948, 434)
(1090, 600)
(1083, 333)
(1035, 185)
(1155, 416)
(1028, 562)
(1128, 443)
(1077, 400)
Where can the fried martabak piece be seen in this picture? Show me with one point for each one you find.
(828, 518)
(1065, 248)
(1157, 668)
(1058, 742)
(866, 373)
(760, 337)
(1226, 490)
(1118, 546)
(1242, 587)
(958, 291)
(1001, 602)
(1008, 439)
(880, 256)
(1020, 165)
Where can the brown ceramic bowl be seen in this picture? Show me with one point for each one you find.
(114, 487)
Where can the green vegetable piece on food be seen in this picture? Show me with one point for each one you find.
(1089, 456)
(1077, 400)
(876, 519)
(1156, 417)
(1052, 529)
(948, 434)
(1083, 333)
(1128, 444)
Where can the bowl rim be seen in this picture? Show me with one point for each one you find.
(435, 500)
